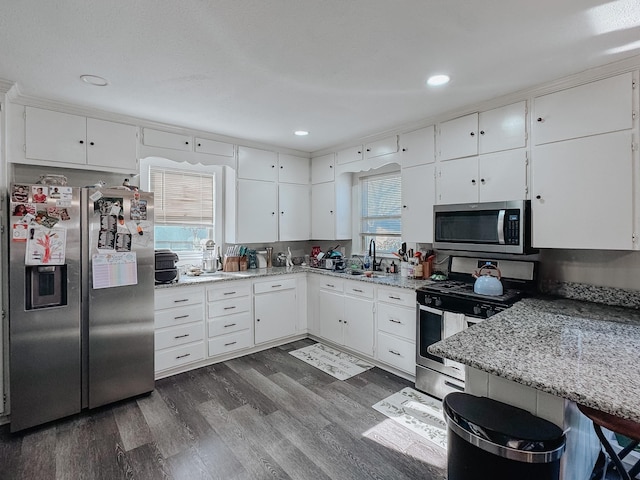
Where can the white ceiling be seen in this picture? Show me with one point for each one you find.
(342, 69)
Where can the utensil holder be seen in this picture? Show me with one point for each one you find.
(231, 264)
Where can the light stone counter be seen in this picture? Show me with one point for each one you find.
(393, 280)
(584, 352)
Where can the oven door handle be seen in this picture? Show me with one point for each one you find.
(430, 310)
(501, 214)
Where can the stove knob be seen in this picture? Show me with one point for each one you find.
(477, 310)
(428, 300)
(490, 312)
(438, 302)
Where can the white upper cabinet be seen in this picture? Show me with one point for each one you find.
(294, 204)
(331, 209)
(257, 207)
(292, 169)
(174, 141)
(72, 139)
(418, 197)
(348, 155)
(323, 168)
(418, 147)
(213, 147)
(502, 128)
(598, 107)
(255, 164)
(458, 137)
(500, 176)
(583, 193)
(381, 147)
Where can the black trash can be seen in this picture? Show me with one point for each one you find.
(488, 439)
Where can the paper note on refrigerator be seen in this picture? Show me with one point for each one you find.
(45, 246)
(114, 269)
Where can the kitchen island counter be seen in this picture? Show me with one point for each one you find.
(580, 351)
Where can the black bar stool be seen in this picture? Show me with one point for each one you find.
(622, 426)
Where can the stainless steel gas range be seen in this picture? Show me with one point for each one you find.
(450, 306)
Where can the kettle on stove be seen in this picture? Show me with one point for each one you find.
(487, 284)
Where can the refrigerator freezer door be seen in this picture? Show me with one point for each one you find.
(44, 328)
(120, 318)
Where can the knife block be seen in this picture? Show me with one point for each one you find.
(231, 264)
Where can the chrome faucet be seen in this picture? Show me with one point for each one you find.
(372, 248)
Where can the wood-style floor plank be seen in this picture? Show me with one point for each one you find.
(267, 415)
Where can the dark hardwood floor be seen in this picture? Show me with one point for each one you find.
(263, 416)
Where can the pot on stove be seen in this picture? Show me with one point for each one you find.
(486, 283)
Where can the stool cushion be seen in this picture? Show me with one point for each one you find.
(623, 426)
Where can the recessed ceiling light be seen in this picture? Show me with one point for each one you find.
(436, 80)
(94, 80)
(301, 133)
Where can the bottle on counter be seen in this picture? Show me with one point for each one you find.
(392, 267)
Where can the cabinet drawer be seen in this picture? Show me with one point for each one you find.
(214, 148)
(400, 321)
(174, 357)
(330, 283)
(178, 316)
(232, 290)
(359, 289)
(179, 335)
(278, 284)
(397, 352)
(229, 324)
(228, 307)
(397, 296)
(230, 343)
(156, 138)
(177, 297)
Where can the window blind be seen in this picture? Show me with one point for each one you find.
(381, 211)
(183, 198)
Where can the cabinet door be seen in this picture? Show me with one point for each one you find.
(358, 325)
(458, 137)
(213, 147)
(503, 176)
(502, 128)
(175, 141)
(293, 169)
(257, 164)
(257, 219)
(275, 315)
(55, 136)
(323, 204)
(294, 202)
(418, 147)
(418, 198)
(597, 107)
(583, 193)
(381, 147)
(331, 316)
(112, 144)
(322, 169)
(457, 181)
(348, 155)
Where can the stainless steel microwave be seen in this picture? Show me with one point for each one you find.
(497, 227)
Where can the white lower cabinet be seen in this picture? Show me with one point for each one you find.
(179, 327)
(396, 334)
(275, 309)
(229, 317)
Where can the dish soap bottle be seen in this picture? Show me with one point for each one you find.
(392, 268)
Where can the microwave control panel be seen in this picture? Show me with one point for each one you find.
(512, 227)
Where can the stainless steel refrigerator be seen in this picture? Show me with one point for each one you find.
(81, 280)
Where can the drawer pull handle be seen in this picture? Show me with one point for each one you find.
(229, 293)
(453, 385)
(181, 316)
(230, 343)
(181, 336)
(357, 290)
(394, 352)
(182, 356)
(230, 325)
(392, 320)
(229, 308)
(329, 285)
(394, 298)
(276, 286)
(181, 300)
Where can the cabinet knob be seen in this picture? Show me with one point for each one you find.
(404, 149)
(273, 166)
(368, 149)
(473, 181)
(257, 319)
(339, 321)
(199, 144)
(330, 166)
(481, 132)
(538, 197)
(539, 119)
(404, 206)
(81, 142)
(359, 153)
(473, 134)
(91, 143)
(281, 167)
(186, 143)
(331, 212)
(273, 213)
(344, 321)
(482, 181)
(281, 213)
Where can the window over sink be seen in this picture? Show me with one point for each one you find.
(380, 211)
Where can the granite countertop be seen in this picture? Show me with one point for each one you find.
(393, 280)
(581, 351)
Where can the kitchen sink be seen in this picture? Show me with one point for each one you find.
(362, 273)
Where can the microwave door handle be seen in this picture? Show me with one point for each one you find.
(501, 214)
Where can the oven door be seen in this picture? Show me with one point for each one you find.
(435, 325)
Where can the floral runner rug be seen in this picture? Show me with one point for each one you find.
(334, 362)
(418, 412)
